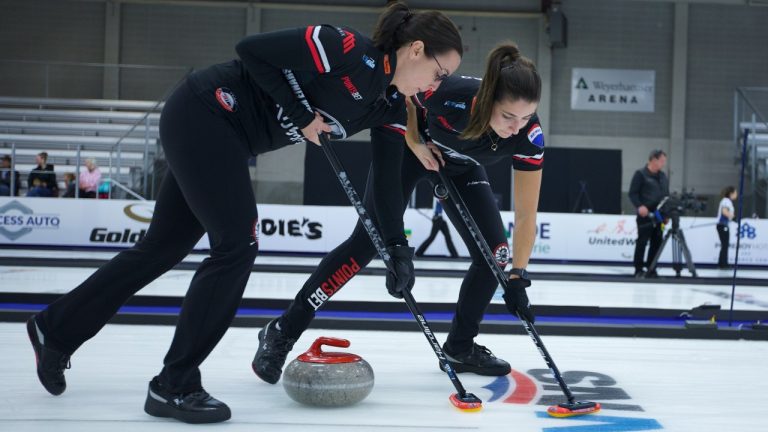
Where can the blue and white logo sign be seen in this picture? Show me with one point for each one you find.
(748, 231)
(17, 220)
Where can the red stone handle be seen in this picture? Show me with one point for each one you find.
(315, 353)
(317, 348)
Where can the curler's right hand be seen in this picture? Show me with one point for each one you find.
(312, 130)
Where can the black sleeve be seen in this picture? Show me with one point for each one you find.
(453, 100)
(432, 102)
(634, 189)
(315, 48)
(387, 147)
(529, 147)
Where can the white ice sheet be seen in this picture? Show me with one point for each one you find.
(678, 385)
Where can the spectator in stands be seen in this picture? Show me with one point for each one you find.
(725, 214)
(42, 179)
(90, 178)
(649, 186)
(5, 177)
(69, 185)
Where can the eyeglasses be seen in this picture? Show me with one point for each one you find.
(441, 76)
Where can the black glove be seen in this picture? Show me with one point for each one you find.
(517, 300)
(402, 264)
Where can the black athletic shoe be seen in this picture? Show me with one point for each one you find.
(194, 407)
(639, 274)
(50, 363)
(478, 359)
(274, 347)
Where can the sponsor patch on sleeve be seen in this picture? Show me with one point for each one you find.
(226, 99)
(536, 136)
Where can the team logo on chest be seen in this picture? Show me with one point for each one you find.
(226, 99)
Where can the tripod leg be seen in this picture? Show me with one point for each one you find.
(687, 255)
(655, 261)
(676, 252)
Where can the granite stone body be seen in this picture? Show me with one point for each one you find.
(328, 379)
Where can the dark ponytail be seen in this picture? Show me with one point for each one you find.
(398, 26)
(508, 75)
(727, 191)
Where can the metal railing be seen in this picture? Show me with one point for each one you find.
(93, 110)
(750, 122)
(144, 119)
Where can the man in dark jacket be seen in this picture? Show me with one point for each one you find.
(5, 178)
(649, 186)
(42, 180)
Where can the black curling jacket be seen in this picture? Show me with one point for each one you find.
(443, 115)
(270, 93)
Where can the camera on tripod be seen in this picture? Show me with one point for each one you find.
(677, 204)
(672, 207)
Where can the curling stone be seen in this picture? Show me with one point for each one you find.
(328, 379)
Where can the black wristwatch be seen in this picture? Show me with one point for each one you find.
(521, 272)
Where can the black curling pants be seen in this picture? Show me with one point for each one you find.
(724, 235)
(647, 232)
(207, 190)
(479, 284)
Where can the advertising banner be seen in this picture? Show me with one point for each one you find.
(319, 229)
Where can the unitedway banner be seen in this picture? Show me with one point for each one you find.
(316, 229)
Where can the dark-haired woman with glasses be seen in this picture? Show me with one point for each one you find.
(285, 88)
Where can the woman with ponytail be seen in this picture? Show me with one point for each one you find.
(465, 125)
(285, 88)
(471, 123)
(725, 214)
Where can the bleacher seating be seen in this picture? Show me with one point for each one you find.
(122, 136)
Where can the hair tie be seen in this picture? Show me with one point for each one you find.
(403, 23)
